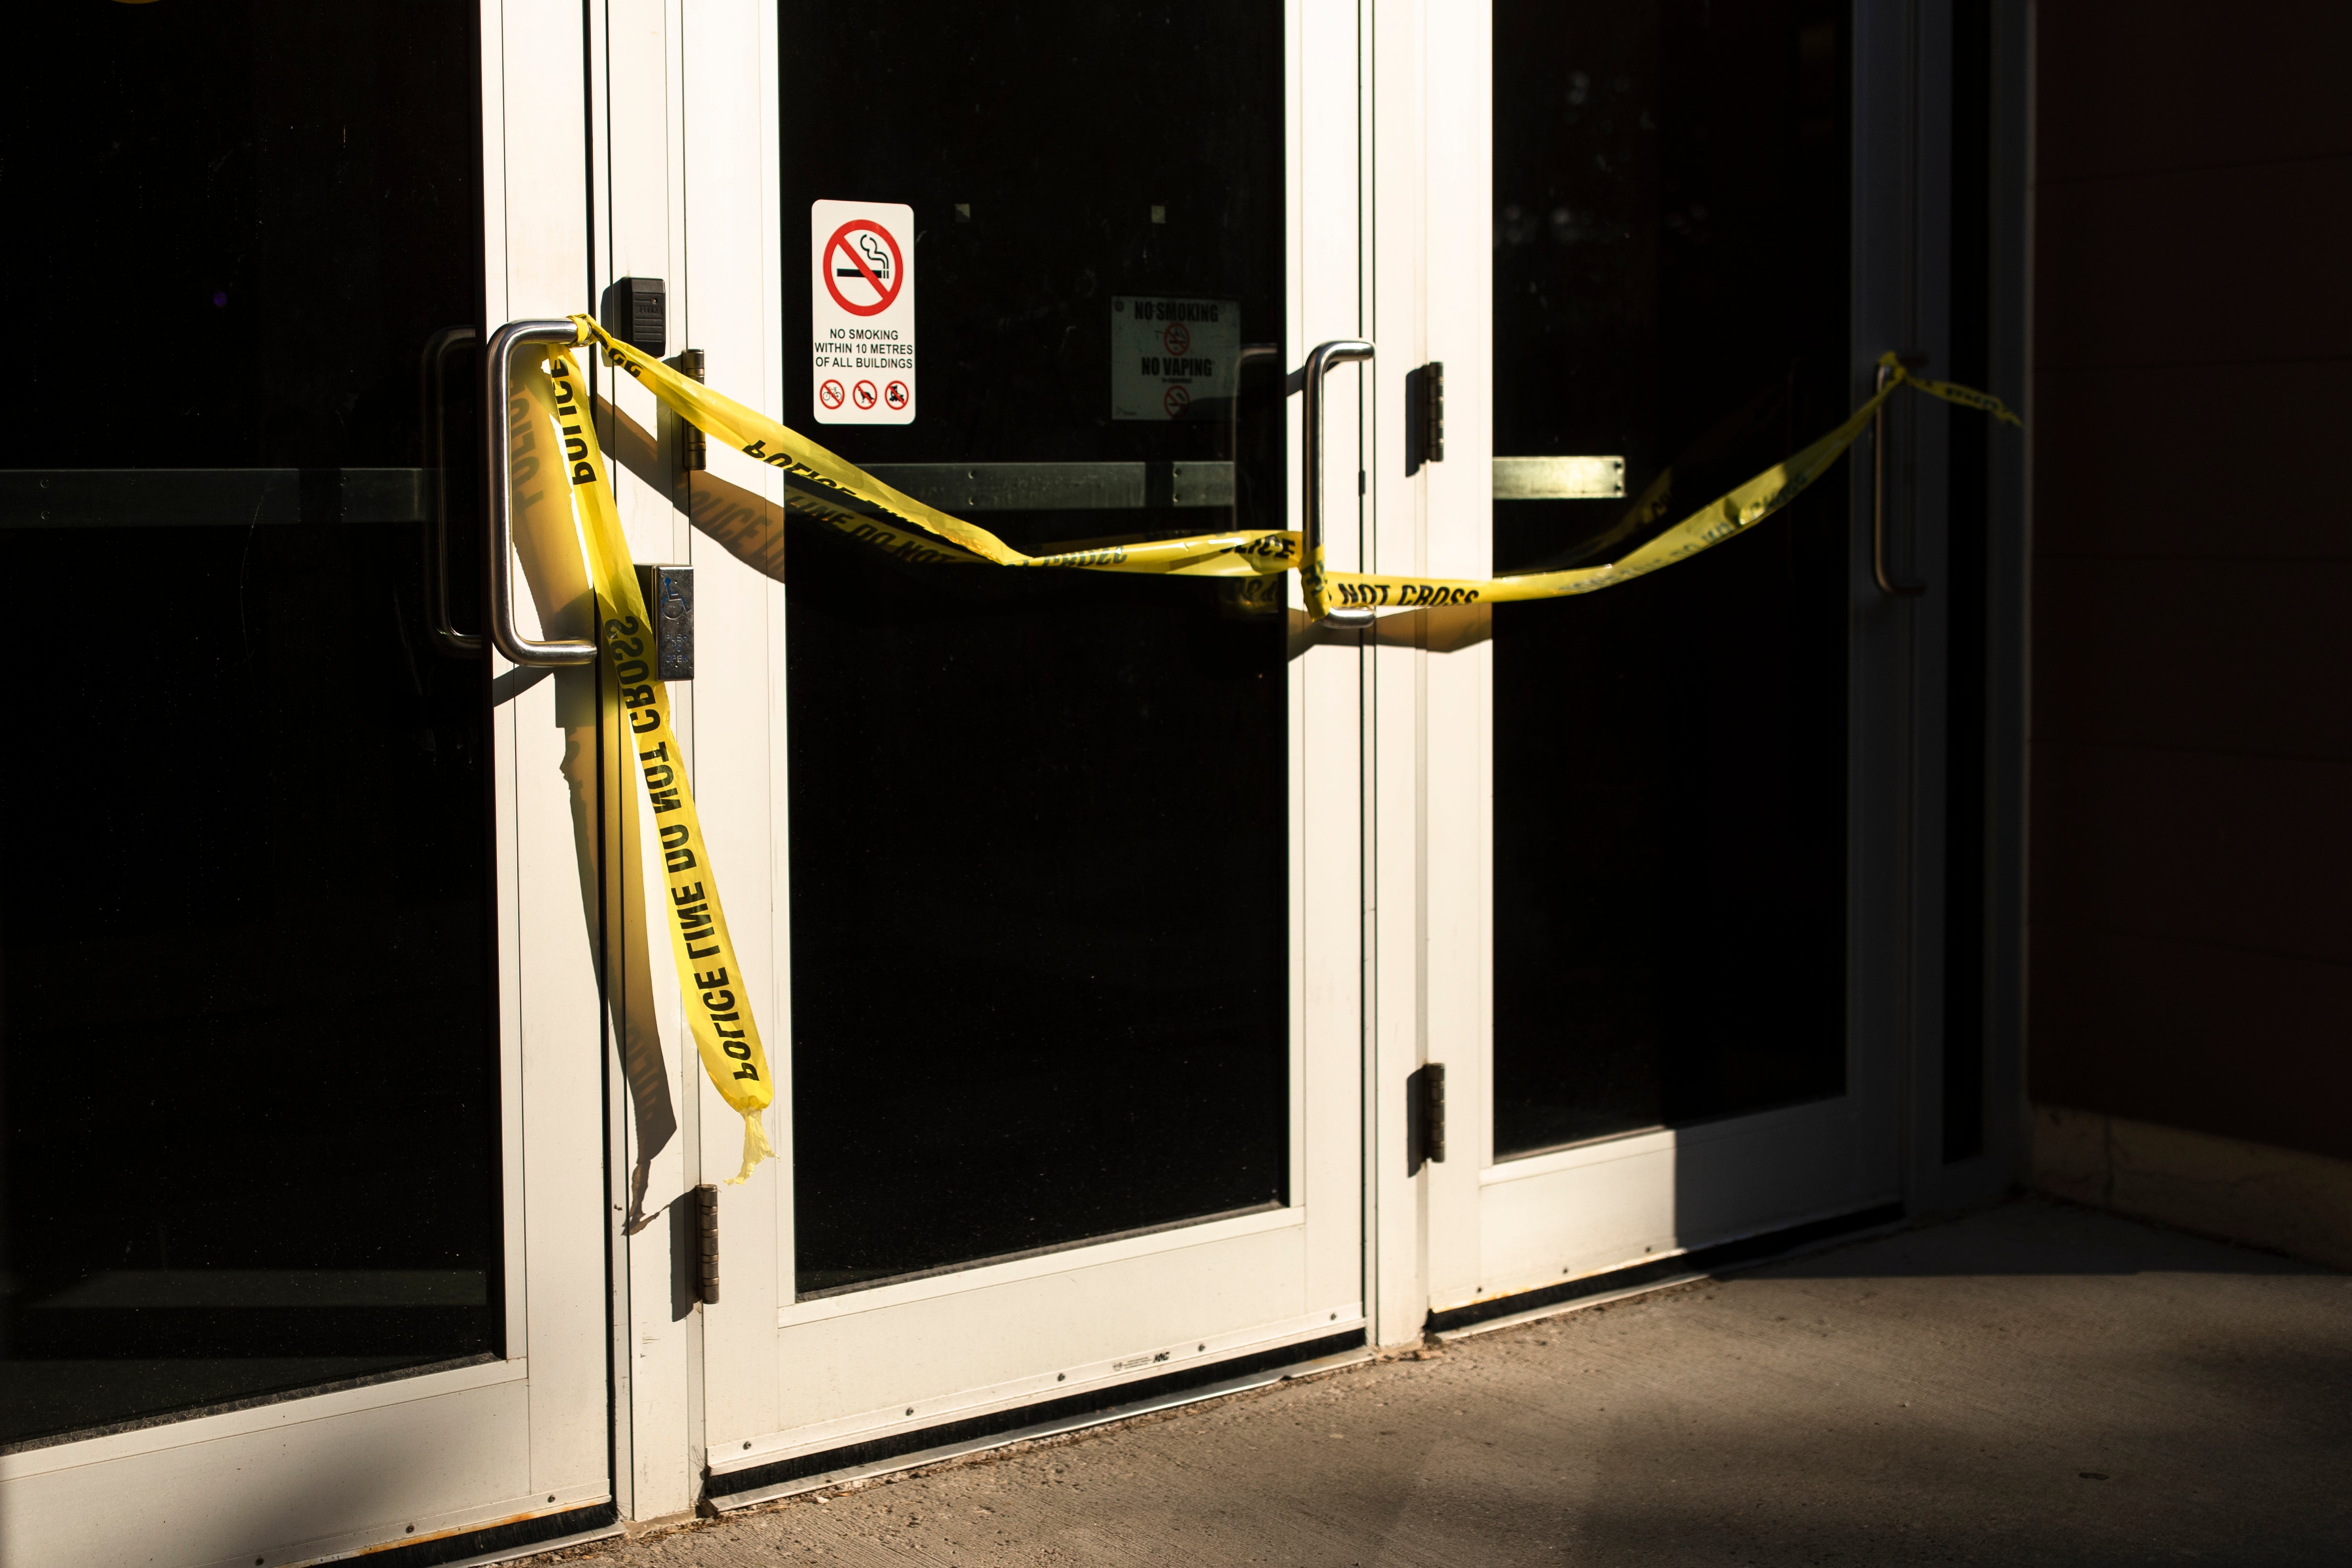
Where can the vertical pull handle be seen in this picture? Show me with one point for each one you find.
(1320, 360)
(498, 372)
(433, 434)
(1886, 583)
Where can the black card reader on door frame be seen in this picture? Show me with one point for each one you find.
(636, 311)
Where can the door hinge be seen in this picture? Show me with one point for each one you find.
(1424, 404)
(1425, 1117)
(706, 1215)
(693, 445)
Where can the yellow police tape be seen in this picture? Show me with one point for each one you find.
(718, 1002)
(708, 970)
(809, 467)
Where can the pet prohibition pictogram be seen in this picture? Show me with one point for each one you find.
(831, 393)
(862, 256)
(864, 393)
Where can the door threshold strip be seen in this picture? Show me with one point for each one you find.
(483, 1545)
(1101, 1415)
(1682, 1269)
(515, 1553)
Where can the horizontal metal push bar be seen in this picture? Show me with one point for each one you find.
(1060, 487)
(1559, 478)
(209, 497)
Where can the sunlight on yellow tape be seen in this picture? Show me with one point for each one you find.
(815, 472)
(718, 1000)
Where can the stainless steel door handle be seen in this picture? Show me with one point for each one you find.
(1339, 351)
(497, 371)
(433, 435)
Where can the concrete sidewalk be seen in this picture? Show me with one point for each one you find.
(2032, 1385)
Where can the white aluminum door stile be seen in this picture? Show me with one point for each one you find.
(689, 96)
(1496, 1228)
(405, 1460)
(782, 1378)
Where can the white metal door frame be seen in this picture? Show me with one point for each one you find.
(782, 1379)
(1493, 1229)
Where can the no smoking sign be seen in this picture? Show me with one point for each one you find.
(861, 312)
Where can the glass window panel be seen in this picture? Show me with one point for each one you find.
(1039, 826)
(1671, 266)
(245, 1032)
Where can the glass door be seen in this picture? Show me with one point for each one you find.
(1072, 857)
(1683, 833)
(303, 1141)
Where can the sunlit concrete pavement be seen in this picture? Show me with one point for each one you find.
(2032, 1385)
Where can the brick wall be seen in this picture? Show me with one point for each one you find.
(2190, 916)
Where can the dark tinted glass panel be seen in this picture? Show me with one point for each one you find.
(1670, 287)
(248, 1072)
(1038, 870)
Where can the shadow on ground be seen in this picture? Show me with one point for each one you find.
(2032, 1385)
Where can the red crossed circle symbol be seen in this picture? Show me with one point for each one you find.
(841, 245)
(895, 394)
(1176, 400)
(831, 394)
(1177, 340)
(864, 393)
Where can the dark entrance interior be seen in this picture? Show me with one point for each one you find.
(1039, 890)
(250, 1082)
(1671, 263)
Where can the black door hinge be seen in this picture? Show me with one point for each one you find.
(1425, 416)
(1425, 1117)
(706, 1263)
(693, 447)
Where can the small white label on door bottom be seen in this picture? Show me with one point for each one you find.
(1172, 359)
(862, 311)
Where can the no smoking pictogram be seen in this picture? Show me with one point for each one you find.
(862, 268)
(1179, 399)
(1177, 340)
(861, 312)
